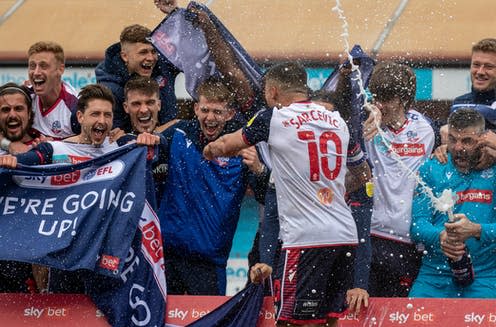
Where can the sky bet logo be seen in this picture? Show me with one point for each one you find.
(106, 172)
(45, 312)
(109, 262)
(402, 318)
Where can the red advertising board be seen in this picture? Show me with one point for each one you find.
(54, 310)
(78, 310)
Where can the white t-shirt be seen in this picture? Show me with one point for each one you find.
(56, 120)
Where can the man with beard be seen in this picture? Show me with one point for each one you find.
(135, 55)
(16, 118)
(473, 228)
(94, 114)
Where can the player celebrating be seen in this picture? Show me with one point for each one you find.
(308, 149)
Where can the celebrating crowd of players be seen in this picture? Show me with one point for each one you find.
(340, 240)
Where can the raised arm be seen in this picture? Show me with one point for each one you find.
(227, 145)
(226, 61)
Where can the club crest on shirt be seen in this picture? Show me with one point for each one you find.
(162, 81)
(487, 173)
(56, 127)
(325, 196)
(412, 137)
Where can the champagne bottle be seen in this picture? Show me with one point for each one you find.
(462, 270)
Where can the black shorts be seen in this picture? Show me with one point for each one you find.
(312, 282)
(395, 265)
(193, 275)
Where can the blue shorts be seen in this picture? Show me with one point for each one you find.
(311, 283)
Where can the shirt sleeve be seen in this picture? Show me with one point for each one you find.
(258, 128)
(423, 229)
(41, 155)
(355, 154)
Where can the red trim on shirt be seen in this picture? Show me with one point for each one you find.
(246, 140)
(60, 98)
(399, 130)
(42, 159)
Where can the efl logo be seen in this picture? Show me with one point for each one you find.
(109, 262)
(152, 241)
(481, 196)
(66, 179)
(408, 149)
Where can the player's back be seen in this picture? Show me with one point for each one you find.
(308, 146)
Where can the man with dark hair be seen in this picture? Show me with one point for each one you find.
(406, 140)
(16, 119)
(309, 148)
(16, 115)
(142, 104)
(473, 226)
(94, 114)
(201, 199)
(135, 55)
(482, 98)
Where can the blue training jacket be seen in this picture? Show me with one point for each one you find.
(201, 199)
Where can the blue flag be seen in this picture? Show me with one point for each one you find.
(138, 297)
(243, 309)
(183, 43)
(357, 114)
(93, 216)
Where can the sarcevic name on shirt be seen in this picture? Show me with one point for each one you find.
(312, 115)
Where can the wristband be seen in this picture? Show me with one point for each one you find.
(5, 143)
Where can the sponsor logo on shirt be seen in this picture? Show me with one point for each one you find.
(162, 81)
(408, 149)
(481, 196)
